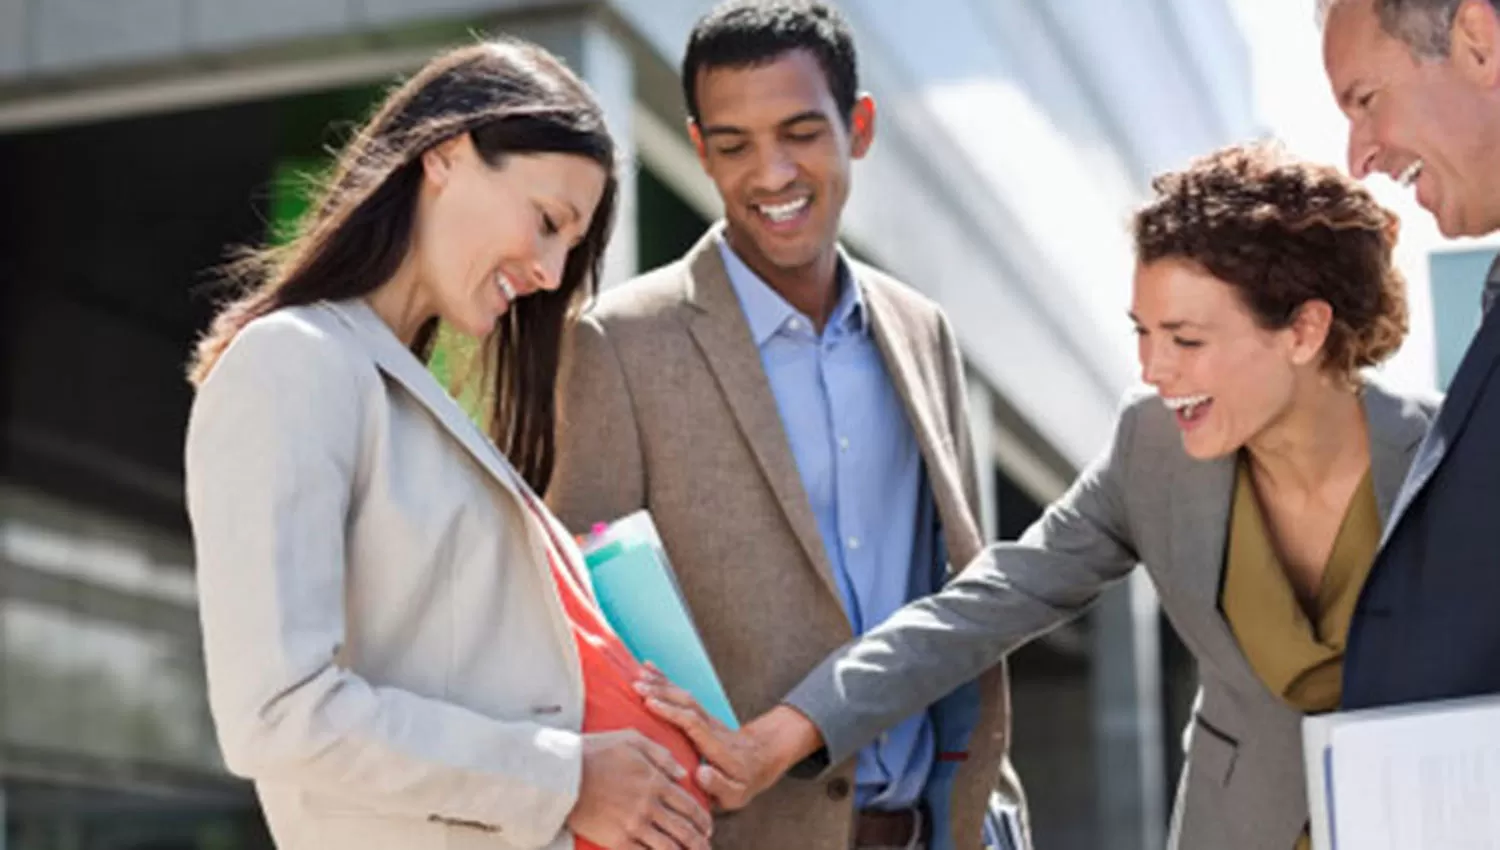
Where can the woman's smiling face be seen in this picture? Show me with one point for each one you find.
(1226, 378)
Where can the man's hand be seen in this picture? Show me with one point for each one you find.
(629, 797)
(741, 764)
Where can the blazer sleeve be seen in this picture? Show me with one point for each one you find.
(273, 456)
(600, 473)
(1007, 595)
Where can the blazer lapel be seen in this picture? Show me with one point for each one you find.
(1472, 373)
(895, 344)
(1202, 495)
(719, 328)
(1395, 434)
(396, 361)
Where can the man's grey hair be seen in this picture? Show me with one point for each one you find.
(1424, 26)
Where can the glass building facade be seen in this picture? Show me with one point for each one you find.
(110, 234)
(1457, 283)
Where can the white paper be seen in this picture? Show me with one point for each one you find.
(1412, 777)
(1315, 734)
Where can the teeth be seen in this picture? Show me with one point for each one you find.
(783, 212)
(1184, 402)
(1410, 174)
(506, 289)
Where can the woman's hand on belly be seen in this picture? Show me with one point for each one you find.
(629, 797)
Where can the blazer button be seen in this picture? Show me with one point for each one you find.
(838, 789)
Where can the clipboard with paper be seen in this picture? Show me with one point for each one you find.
(639, 595)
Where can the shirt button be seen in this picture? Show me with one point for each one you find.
(838, 789)
(794, 324)
(854, 543)
(843, 444)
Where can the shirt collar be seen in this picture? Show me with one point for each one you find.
(766, 311)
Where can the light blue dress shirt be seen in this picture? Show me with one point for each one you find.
(864, 476)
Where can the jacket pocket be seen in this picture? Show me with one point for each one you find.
(1212, 752)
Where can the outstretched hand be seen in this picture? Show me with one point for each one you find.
(742, 764)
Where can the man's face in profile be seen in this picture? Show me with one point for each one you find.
(1428, 123)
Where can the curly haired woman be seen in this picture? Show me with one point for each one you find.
(1251, 482)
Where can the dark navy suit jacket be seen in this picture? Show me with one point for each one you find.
(1428, 621)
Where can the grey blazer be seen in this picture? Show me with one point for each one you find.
(1142, 501)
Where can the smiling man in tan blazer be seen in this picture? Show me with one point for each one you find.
(795, 422)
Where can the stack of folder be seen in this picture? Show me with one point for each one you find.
(1424, 775)
(639, 594)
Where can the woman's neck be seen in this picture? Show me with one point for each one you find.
(1321, 440)
(399, 303)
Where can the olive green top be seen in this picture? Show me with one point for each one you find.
(1298, 654)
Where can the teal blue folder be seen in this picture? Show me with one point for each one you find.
(638, 593)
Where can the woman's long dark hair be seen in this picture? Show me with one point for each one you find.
(511, 98)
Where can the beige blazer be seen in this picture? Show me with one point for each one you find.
(666, 407)
(387, 657)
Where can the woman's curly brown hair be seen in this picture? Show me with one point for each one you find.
(1282, 232)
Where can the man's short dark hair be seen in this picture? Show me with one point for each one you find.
(749, 33)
